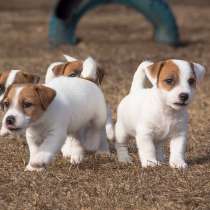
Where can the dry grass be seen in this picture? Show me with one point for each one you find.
(119, 41)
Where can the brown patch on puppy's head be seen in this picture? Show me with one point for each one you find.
(169, 76)
(8, 96)
(68, 69)
(165, 73)
(35, 99)
(23, 77)
(73, 68)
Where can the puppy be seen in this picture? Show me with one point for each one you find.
(10, 77)
(74, 68)
(89, 70)
(51, 112)
(154, 115)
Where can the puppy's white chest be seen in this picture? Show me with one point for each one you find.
(165, 127)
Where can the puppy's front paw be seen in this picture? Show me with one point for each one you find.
(31, 168)
(66, 151)
(41, 160)
(75, 153)
(180, 164)
(124, 158)
(76, 157)
(4, 132)
(150, 163)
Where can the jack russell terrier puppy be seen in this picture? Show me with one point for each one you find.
(77, 68)
(52, 112)
(157, 114)
(88, 70)
(74, 68)
(10, 77)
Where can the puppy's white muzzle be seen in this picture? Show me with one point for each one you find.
(14, 121)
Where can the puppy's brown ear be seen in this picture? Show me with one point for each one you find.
(46, 95)
(4, 75)
(59, 69)
(31, 78)
(153, 72)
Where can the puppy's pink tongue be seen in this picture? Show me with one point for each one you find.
(10, 127)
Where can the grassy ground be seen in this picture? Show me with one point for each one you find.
(119, 41)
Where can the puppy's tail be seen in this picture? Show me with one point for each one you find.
(139, 76)
(89, 70)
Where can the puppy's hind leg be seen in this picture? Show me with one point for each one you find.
(104, 145)
(159, 152)
(92, 138)
(121, 143)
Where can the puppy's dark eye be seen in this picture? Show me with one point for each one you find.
(191, 81)
(5, 105)
(2, 89)
(169, 81)
(27, 104)
(73, 75)
(76, 73)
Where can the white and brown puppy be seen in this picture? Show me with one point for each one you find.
(157, 114)
(87, 69)
(10, 77)
(52, 112)
(74, 68)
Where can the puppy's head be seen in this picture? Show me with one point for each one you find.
(176, 80)
(23, 105)
(70, 69)
(87, 69)
(10, 77)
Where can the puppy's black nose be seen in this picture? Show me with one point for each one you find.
(10, 120)
(183, 96)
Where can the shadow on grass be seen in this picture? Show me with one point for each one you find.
(199, 160)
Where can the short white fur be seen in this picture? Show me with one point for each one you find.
(88, 71)
(151, 117)
(78, 105)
